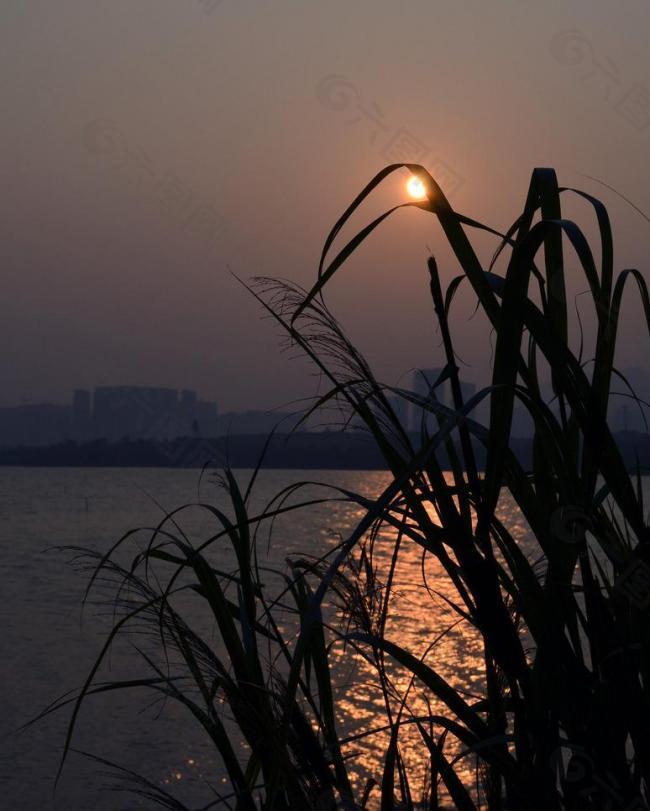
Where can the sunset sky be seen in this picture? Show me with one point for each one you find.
(152, 149)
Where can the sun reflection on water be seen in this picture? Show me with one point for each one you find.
(418, 615)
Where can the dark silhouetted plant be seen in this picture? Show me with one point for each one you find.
(564, 717)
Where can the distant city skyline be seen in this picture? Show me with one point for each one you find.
(158, 412)
(151, 154)
(114, 413)
(111, 413)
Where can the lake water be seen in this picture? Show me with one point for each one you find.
(48, 647)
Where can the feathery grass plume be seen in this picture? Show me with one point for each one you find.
(561, 716)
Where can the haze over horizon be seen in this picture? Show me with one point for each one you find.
(153, 154)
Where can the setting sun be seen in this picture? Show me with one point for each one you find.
(416, 189)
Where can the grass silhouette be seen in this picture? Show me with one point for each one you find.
(564, 717)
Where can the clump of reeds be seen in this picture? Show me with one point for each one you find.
(564, 717)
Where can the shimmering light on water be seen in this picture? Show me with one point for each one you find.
(47, 652)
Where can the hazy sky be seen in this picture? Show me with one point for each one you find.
(151, 147)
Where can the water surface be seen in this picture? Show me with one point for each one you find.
(48, 646)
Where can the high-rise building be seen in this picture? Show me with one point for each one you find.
(112, 413)
(401, 408)
(34, 425)
(204, 419)
(81, 415)
(135, 412)
(425, 381)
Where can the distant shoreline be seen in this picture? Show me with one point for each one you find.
(327, 450)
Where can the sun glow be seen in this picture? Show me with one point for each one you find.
(416, 188)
